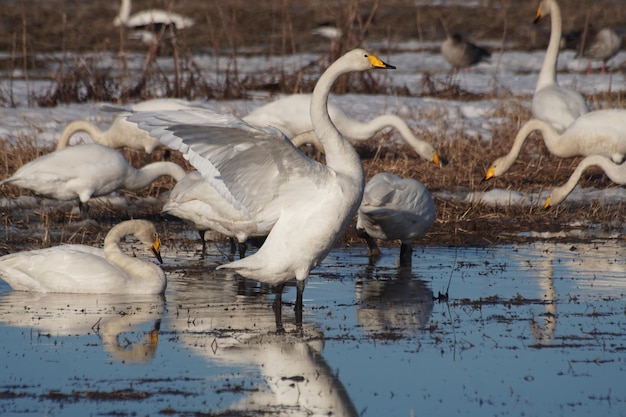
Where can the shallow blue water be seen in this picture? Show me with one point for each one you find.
(527, 330)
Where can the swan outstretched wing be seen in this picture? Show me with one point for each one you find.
(250, 167)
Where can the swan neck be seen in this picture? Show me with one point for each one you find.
(141, 178)
(124, 14)
(423, 149)
(79, 126)
(340, 155)
(547, 75)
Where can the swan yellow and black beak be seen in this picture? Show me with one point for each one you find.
(156, 248)
(539, 15)
(490, 174)
(378, 63)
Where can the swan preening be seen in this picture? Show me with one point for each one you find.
(461, 53)
(394, 208)
(89, 270)
(601, 132)
(554, 104)
(291, 116)
(86, 171)
(259, 171)
(616, 172)
(593, 44)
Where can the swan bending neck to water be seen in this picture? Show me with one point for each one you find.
(616, 172)
(89, 270)
(601, 132)
(554, 104)
(291, 116)
(260, 171)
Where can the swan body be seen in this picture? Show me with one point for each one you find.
(154, 19)
(461, 53)
(616, 172)
(394, 208)
(89, 270)
(123, 133)
(87, 171)
(258, 170)
(195, 201)
(291, 116)
(594, 44)
(554, 104)
(601, 132)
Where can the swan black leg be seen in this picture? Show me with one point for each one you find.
(278, 308)
(405, 254)
(299, 305)
(242, 249)
(203, 240)
(233, 249)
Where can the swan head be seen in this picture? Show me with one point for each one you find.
(543, 10)
(547, 204)
(498, 167)
(436, 160)
(366, 60)
(147, 234)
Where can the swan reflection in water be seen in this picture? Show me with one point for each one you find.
(222, 319)
(116, 319)
(393, 300)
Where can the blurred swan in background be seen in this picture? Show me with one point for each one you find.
(123, 133)
(89, 270)
(554, 104)
(86, 171)
(593, 44)
(291, 116)
(151, 23)
(106, 315)
(394, 208)
(616, 172)
(260, 171)
(461, 53)
(601, 132)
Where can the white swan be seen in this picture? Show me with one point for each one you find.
(291, 116)
(87, 171)
(152, 22)
(260, 171)
(123, 133)
(394, 208)
(88, 270)
(601, 132)
(196, 201)
(594, 44)
(461, 53)
(616, 172)
(554, 104)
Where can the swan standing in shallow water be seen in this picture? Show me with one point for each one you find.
(395, 209)
(87, 171)
(616, 172)
(291, 116)
(260, 171)
(123, 133)
(461, 53)
(601, 132)
(88, 270)
(554, 104)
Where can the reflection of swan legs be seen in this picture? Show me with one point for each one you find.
(278, 306)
